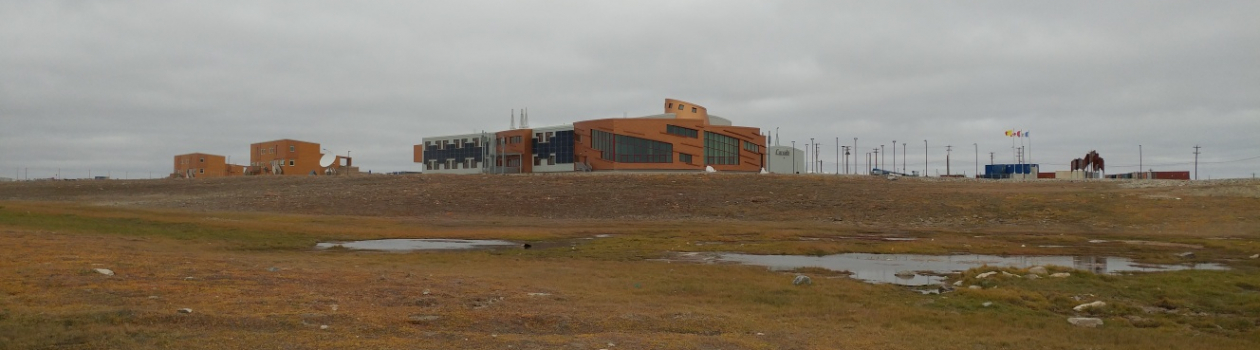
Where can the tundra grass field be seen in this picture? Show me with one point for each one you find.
(603, 271)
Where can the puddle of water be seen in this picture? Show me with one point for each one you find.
(417, 244)
(883, 268)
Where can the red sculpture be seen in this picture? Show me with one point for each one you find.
(1091, 160)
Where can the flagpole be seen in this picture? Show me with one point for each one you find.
(1029, 147)
(1014, 154)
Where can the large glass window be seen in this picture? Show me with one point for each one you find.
(751, 147)
(603, 142)
(630, 149)
(684, 158)
(681, 131)
(720, 149)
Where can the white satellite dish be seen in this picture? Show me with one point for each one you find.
(709, 169)
(327, 160)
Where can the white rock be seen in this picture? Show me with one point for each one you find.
(958, 284)
(323, 326)
(974, 287)
(801, 279)
(987, 304)
(185, 311)
(1061, 275)
(106, 272)
(1038, 270)
(1086, 306)
(1089, 322)
(1253, 256)
(1032, 276)
(986, 274)
(1008, 274)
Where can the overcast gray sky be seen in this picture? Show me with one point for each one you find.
(120, 87)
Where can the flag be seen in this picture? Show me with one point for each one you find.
(1008, 133)
(1017, 134)
(1026, 134)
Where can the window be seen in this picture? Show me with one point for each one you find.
(630, 149)
(680, 106)
(202, 170)
(671, 105)
(551, 160)
(693, 109)
(603, 142)
(684, 158)
(720, 149)
(291, 162)
(202, 160)
(751, 147)
(292, 148)
(681, 131)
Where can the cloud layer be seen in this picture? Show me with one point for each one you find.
(121, 87)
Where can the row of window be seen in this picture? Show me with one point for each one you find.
(272, 150)
(720, 149)
(681, 131)
(279, 162)
(681, 107)
(458, 143)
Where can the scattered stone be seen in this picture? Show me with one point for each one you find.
(986, 274)
(1253, 256)
(974, 287)
(333, 307)
(153, 297)
(1008, 274)
(958, 284)
(273, 269)
(421, 319)
(323, 326)
(185, 311)
(189, 278)
(987, 304)
(802, 279)
(106, 272)
(1088, 322)
(1032, 276)
(538, 294)
(1039, 270)
(1061, 275)
(426, 292)
(1187, 255)
(1086, 306)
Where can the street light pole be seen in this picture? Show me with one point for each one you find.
(977, 158)
(925, 158)
(894, 155)
(1196, 162)
(855, 163)
(1140, 171)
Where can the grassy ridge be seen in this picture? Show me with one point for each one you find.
(256, 283)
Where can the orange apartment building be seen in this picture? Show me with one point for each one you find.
(291, 157)
(194, 165)
(683, 138)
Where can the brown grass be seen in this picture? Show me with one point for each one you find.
(256, 283)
